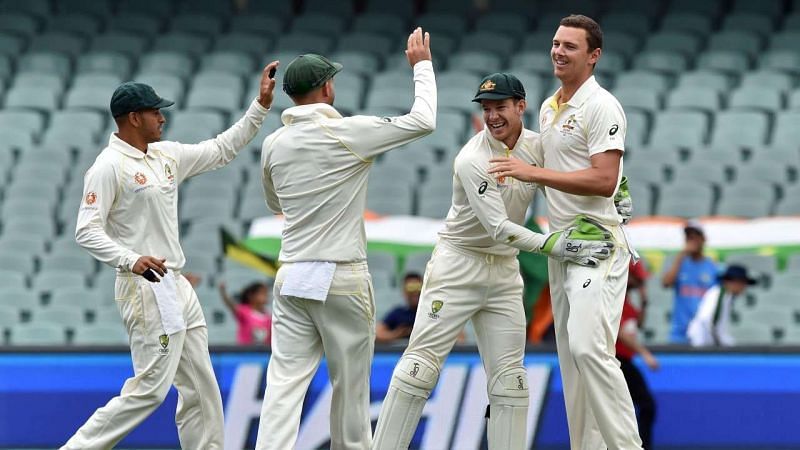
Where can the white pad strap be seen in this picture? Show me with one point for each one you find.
(412, 382)
(508, 403)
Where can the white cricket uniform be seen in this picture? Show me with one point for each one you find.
(315, 172)
(712, 323)
(130, 209)
(587, 301)
(473, 274)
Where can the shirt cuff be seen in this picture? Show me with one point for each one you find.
(260, 108)
(423, 64)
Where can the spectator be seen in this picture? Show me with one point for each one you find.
(711, 324)
(255, 322)
(627, 346)
(398, 322)
(692, 274)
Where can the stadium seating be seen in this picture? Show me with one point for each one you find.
(709, 88)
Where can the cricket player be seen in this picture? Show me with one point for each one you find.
(315, 172)
(583, 133)
(474, 274)
(128, 219)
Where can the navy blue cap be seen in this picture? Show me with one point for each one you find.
(735, 272)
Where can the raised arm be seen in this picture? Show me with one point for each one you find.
(193, 159)
(369, 136)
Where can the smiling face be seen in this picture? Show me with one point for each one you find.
(503, 118)
(572, 59)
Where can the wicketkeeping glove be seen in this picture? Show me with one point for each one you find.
(623, 202)
(586, 243)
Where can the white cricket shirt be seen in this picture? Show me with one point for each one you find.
(487, 214)
(591, 122)
(315, 171)
(130, 198)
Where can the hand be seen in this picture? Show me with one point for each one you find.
(267, 86)
(512, 167)
(419, 47)
(222, 289)
(623, 202)
(585, 243)
(650, 360)
(150, 262)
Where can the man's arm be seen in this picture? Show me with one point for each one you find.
(100, 189)
(600, 179)
(671, 276)
(605, 136)
(368, 137)
(630, 339)
(193, 159)
(384, 334)
(487, 204)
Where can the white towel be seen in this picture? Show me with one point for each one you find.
(166, 293)
(311, 280)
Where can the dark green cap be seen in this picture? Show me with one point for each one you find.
(498, 86)
(131, 96)
(308, 72)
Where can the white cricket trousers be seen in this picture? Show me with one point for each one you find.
(461, 285)
(587, 306)
(343, 329)
(486, 289)
(159, 361)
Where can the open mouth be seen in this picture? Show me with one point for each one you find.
(496, 127)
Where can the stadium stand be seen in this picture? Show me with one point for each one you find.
(710, 90)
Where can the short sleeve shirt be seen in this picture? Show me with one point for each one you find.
(591, 122)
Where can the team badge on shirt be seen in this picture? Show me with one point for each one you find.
(168, 173)
(164, 341)
(91, 198)
(436, 306)
(139, 178)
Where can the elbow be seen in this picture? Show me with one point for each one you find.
(429, 125)
(82, 236)
(607, 187)
(425, 122)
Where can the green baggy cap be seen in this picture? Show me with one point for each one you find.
(308, 72)
(498, 86)
(131, 97)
